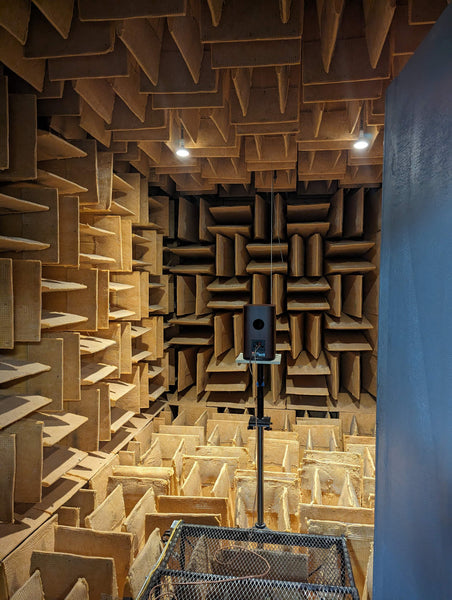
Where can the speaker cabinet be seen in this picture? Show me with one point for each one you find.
(259, 332)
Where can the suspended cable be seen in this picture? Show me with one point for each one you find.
(271, 241)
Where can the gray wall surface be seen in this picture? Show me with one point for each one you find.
(413, 528)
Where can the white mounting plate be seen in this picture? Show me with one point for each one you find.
(243, 361)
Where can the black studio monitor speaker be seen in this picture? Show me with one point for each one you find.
(259, 332)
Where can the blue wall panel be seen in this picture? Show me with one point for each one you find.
(413, 532)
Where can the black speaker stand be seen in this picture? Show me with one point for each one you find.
(259, 422)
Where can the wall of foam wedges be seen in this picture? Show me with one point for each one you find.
(323, 279)
(82, 362)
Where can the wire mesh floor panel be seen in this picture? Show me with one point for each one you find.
(218, 563)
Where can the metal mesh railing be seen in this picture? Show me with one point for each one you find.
(216, 563)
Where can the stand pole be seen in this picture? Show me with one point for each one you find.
(260, 447)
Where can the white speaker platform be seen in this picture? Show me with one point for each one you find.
(242, 361)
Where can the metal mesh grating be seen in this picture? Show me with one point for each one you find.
(216, 563)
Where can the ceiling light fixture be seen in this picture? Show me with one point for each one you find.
(182, 151)
(362, 142)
